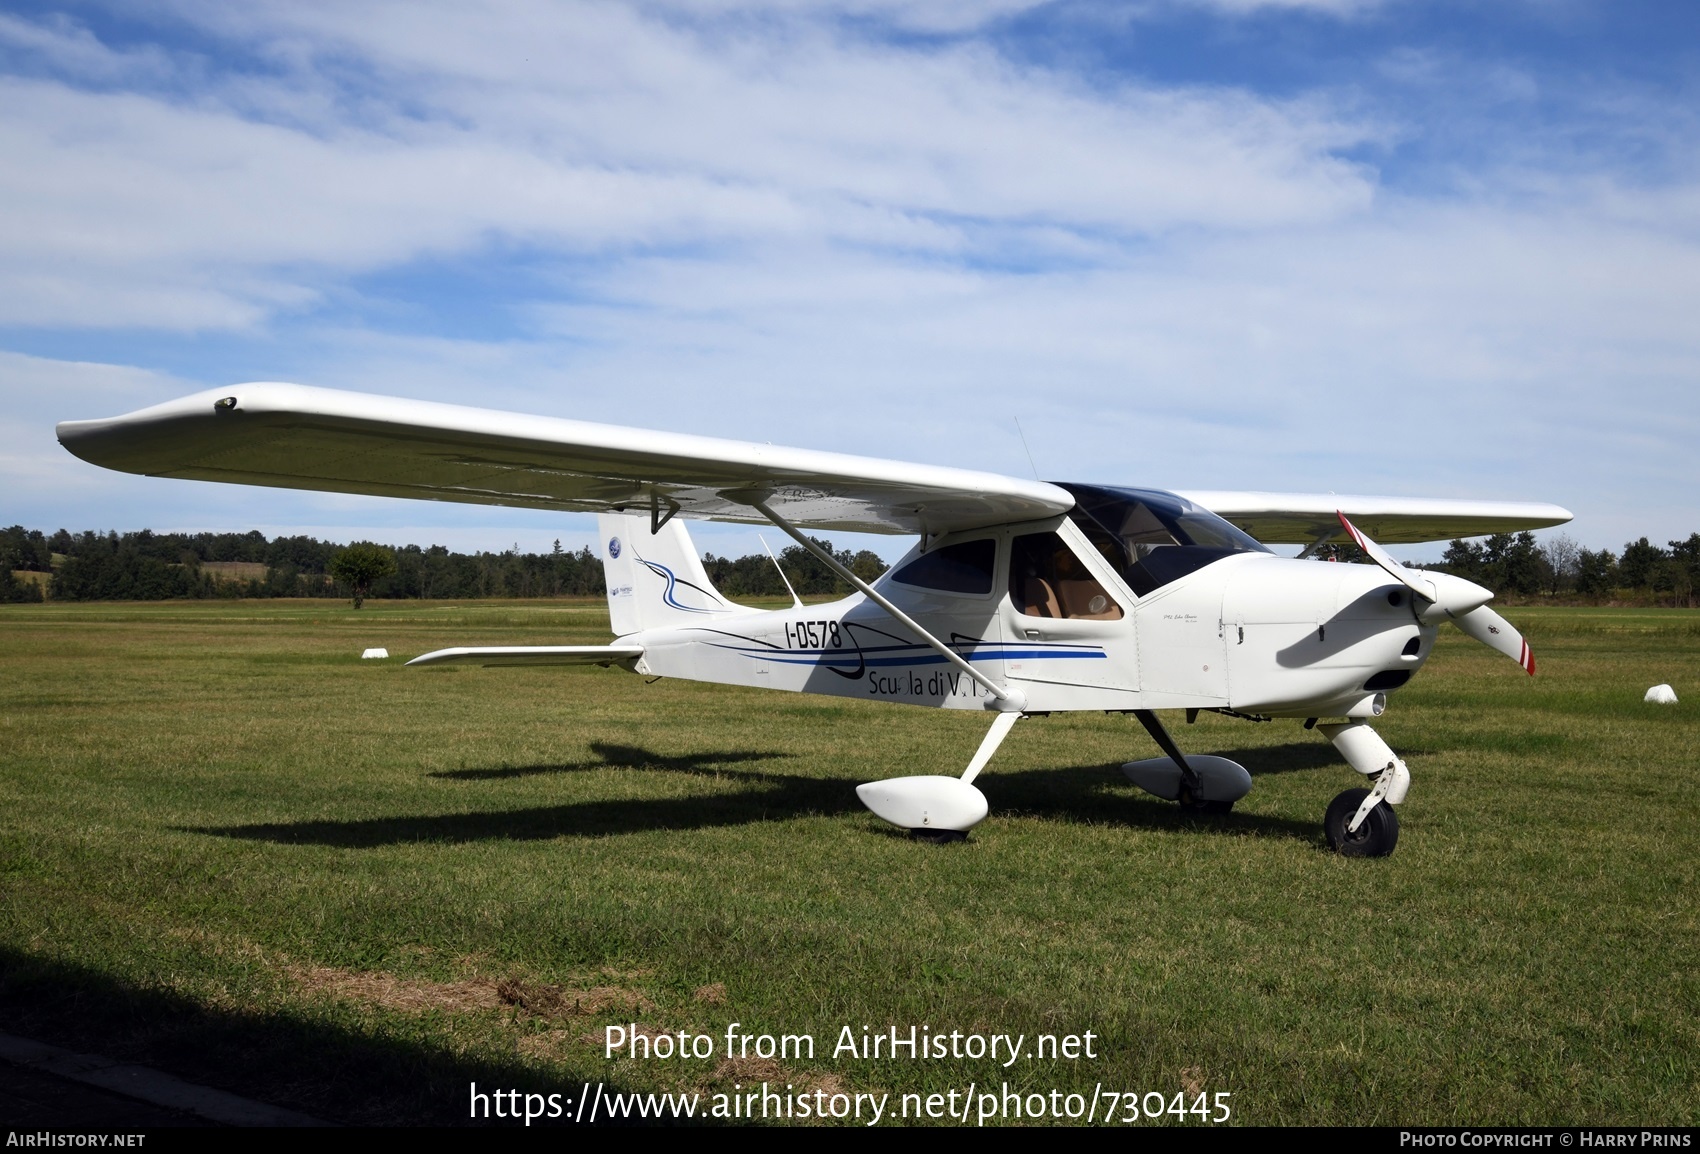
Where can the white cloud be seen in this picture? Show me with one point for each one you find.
(594, 130)
(768, 226)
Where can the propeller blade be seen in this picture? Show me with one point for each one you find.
(1412, 579)
(1464, 602)
(1496, 632)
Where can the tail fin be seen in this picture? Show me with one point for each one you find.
(655, 579)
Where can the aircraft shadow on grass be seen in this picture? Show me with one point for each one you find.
(1076, 794)
(614, 756)
(287, 1057)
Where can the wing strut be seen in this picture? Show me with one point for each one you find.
(1321, 540)
(1009, 700)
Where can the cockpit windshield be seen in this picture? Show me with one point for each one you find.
(1153, 537)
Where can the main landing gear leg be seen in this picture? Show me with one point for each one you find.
(1228, 781)
(1361, 822)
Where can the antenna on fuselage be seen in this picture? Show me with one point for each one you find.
(1025, 449)
(796, 601)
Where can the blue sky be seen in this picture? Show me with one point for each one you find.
(1438, 249)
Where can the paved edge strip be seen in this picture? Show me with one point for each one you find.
(147, 1085)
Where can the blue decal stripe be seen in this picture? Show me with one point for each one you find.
(885, 662)
(672, 581)
(836, 658)
(984, 649)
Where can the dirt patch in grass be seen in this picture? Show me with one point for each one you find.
(408, 995)
(560, 1002)
(418, 996)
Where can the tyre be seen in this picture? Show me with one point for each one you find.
(938, 836)
(1193, 805)
(1376, 837)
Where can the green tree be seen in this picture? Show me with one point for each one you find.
(1685, 563)
(867, 565)
(1465, 559)
(11, 589)
(1596, 573)
(1521, 567)
(1640, 563)
(361, 564)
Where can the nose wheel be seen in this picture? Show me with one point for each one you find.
(1376, 834)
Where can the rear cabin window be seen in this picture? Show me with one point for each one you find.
(962, 568)
(1046, 579)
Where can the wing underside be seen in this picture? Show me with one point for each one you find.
(1307, 518)
(293, 436)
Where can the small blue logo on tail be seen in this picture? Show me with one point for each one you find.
(614, 547)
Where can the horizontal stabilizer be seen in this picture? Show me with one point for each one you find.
(534, 655)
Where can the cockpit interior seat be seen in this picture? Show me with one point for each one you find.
(1040, 599)
(1087, 599)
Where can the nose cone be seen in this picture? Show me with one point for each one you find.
(1454, 597)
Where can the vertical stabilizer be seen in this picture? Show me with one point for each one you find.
(655, 580)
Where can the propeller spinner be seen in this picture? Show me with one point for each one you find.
(1464, 603)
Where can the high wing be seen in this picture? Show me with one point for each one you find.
(1308, 518)
(297, 437)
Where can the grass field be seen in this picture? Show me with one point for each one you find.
(231, 849)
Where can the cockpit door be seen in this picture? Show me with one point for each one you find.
(1067, 618)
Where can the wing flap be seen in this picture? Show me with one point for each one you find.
(1302, 518)
(533, 655)
(293, 436)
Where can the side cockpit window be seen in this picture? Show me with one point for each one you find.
(962, 568)
(1046, 579)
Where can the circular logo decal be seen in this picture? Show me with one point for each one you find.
(614, 547)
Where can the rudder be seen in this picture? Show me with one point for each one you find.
(655, 580)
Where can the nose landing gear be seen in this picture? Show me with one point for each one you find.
(1375, 836)
(1361, 822)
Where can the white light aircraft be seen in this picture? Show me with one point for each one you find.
(1021, 598)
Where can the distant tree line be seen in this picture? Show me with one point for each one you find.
(149, 566)
(1515, 563)
(755, 575)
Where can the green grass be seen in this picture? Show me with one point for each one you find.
(230, 848)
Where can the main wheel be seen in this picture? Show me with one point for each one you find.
(1191, 804)
(938, 836)
(1376, 837)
